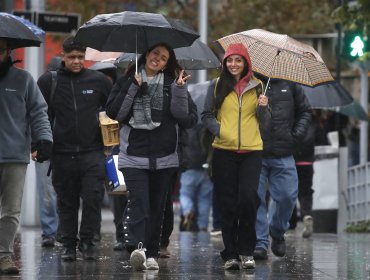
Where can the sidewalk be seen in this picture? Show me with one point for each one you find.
(196, 256)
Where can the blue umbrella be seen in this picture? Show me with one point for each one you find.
(35, 29)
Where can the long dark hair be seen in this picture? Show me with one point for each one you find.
(172, 68)
(226, 83)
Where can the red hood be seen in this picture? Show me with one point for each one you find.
(239, 49)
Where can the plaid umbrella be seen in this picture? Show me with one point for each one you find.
(280, 56)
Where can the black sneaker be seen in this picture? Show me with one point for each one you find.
(69, 254)
(278, 246)
(260, 254)
(88, 251)
(48, 241)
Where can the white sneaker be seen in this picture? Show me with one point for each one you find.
(248, 262)
(151, 264)
(232, 264)
(308, 226)
(138, 258)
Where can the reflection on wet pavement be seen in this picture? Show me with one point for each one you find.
(196, 256)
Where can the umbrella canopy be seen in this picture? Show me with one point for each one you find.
(17, 34)
(34, 28)
(134, 32)
(280, 56)
(95, 55)
(328, 95)
(353, 110)
(198, 56)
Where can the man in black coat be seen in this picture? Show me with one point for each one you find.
(290, 118)
(78, 170)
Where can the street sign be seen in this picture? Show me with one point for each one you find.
(25, 14)
(58, 22)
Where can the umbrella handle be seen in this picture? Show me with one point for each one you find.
(267, 85)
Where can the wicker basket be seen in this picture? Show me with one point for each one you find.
(109, 130)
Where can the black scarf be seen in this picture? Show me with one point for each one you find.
(5, 66)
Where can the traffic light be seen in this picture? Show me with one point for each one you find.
(354, 45)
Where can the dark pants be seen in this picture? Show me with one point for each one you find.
(168, 219)
(118, 205)
(75, 177)
(236, 178)
(305, 193)
(216, 214)
(146, 203)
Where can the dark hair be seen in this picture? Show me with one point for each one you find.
(172, 68)
(226, 83)
(70, 45)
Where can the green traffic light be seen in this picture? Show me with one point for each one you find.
(357, 46)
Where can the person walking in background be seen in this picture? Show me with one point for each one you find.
(196, 187)
(290, 119)
(47, 197)
(23, 119)
(78, 170)
(234, 110)
(150, 105)
(304, 157)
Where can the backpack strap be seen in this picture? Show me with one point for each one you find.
(54, 79)
(214, 97)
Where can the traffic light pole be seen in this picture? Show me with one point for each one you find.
(364, 69)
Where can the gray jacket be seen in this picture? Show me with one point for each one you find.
(23, 116)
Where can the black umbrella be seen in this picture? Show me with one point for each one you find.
(198, 56)
(353, 110)
(327, 96)
(16, 33)
(134, 32)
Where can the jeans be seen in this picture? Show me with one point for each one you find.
(12, 177)
(196, 188)
(279, 175)
(47, 200)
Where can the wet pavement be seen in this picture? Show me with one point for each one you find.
(196, 256)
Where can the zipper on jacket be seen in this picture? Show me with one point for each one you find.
(240, 118)
(75, 107)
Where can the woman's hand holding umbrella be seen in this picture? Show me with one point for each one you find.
(182, 78)
(263, 100)
(138, 78)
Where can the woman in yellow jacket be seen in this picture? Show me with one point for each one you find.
(234, 111)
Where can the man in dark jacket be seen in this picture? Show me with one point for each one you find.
(78, 170)
(290, 118)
